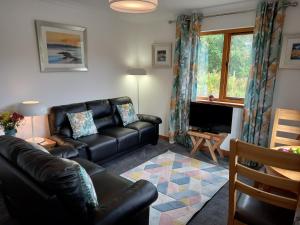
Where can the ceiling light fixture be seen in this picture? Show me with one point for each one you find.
(133, 6)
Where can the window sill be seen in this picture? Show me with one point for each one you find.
(230, 104)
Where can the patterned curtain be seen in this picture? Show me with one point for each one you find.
(185, 81)
(266, 50)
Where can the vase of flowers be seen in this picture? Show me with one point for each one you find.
(9, 122)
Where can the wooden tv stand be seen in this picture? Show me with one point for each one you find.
(213, 142)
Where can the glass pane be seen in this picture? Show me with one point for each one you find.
(239, 65)
(209, 76)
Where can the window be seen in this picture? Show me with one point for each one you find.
(225, 61)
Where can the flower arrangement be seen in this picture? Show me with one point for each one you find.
(10, 121)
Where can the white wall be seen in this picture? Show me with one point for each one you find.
(110, 48)
(287, 94)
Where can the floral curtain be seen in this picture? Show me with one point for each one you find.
(185, 81)
(266, 51)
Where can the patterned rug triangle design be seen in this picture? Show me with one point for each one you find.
(184, 185)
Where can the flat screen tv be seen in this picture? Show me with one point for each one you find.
(210, 118)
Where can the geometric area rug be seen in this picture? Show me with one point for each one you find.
(184, 186)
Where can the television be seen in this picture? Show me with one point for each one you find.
(210, 118)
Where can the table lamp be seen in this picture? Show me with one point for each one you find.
(137, 72)
(32, 109)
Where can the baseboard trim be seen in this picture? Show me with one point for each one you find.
(225, 153)
(163, 137)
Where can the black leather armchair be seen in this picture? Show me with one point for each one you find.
(113, 139)
(39, 188)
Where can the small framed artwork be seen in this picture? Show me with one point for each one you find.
(162, 55)
(62, 48)
(290, 53)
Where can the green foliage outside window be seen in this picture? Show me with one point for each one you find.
(210, 68)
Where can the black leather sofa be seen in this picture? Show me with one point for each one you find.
(40, 189)
(113, 139)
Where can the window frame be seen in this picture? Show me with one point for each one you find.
(228, 33)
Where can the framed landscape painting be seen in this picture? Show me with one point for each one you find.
(62, 48)
(290, 53)
(162, 55)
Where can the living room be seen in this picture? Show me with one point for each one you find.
(138, 55)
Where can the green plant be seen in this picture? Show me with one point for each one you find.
(10, 121)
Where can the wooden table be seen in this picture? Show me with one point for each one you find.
(213, 142)
(46, 143)
(293, 175)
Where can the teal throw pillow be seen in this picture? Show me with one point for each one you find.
(127, 113)
(82, 124)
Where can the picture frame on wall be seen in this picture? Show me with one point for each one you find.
(290, 53)
(162, 55)
(62, 47)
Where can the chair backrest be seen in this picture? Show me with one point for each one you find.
(268, 157)
(286, 128)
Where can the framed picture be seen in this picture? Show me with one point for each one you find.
(162, 55)
(62, 48)
(290, 53)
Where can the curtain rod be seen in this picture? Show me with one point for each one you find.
(289, 4)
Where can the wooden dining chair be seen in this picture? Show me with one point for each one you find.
(251, 205)
(286, 133)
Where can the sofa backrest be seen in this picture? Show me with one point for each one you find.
(118, 101)
(58, 120)
(102, 113)
(38, 184)
(105, 114)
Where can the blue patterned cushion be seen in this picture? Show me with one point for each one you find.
(82, 124)
(127, 113)
(86, 186)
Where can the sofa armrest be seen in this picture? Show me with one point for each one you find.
(150, 118)
(66, 152)
(66, 141)
(137, 197)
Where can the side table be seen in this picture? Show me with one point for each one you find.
(213, 142)
(48, 143)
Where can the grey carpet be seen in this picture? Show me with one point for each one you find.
(213, 213)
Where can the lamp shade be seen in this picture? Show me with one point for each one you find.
(133, 6)
(137, 71)
(32, 108)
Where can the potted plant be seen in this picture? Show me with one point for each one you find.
(9, 122)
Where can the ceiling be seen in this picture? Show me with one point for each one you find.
(169, 8)
(182, 5)
(169, 5)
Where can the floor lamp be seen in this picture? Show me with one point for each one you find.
(33, 109)
(137, 72)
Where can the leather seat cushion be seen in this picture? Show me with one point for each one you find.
(108, 185)
(100, 146)
(91, 168)
(126, 137)
(254, 212)
(146, 130)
